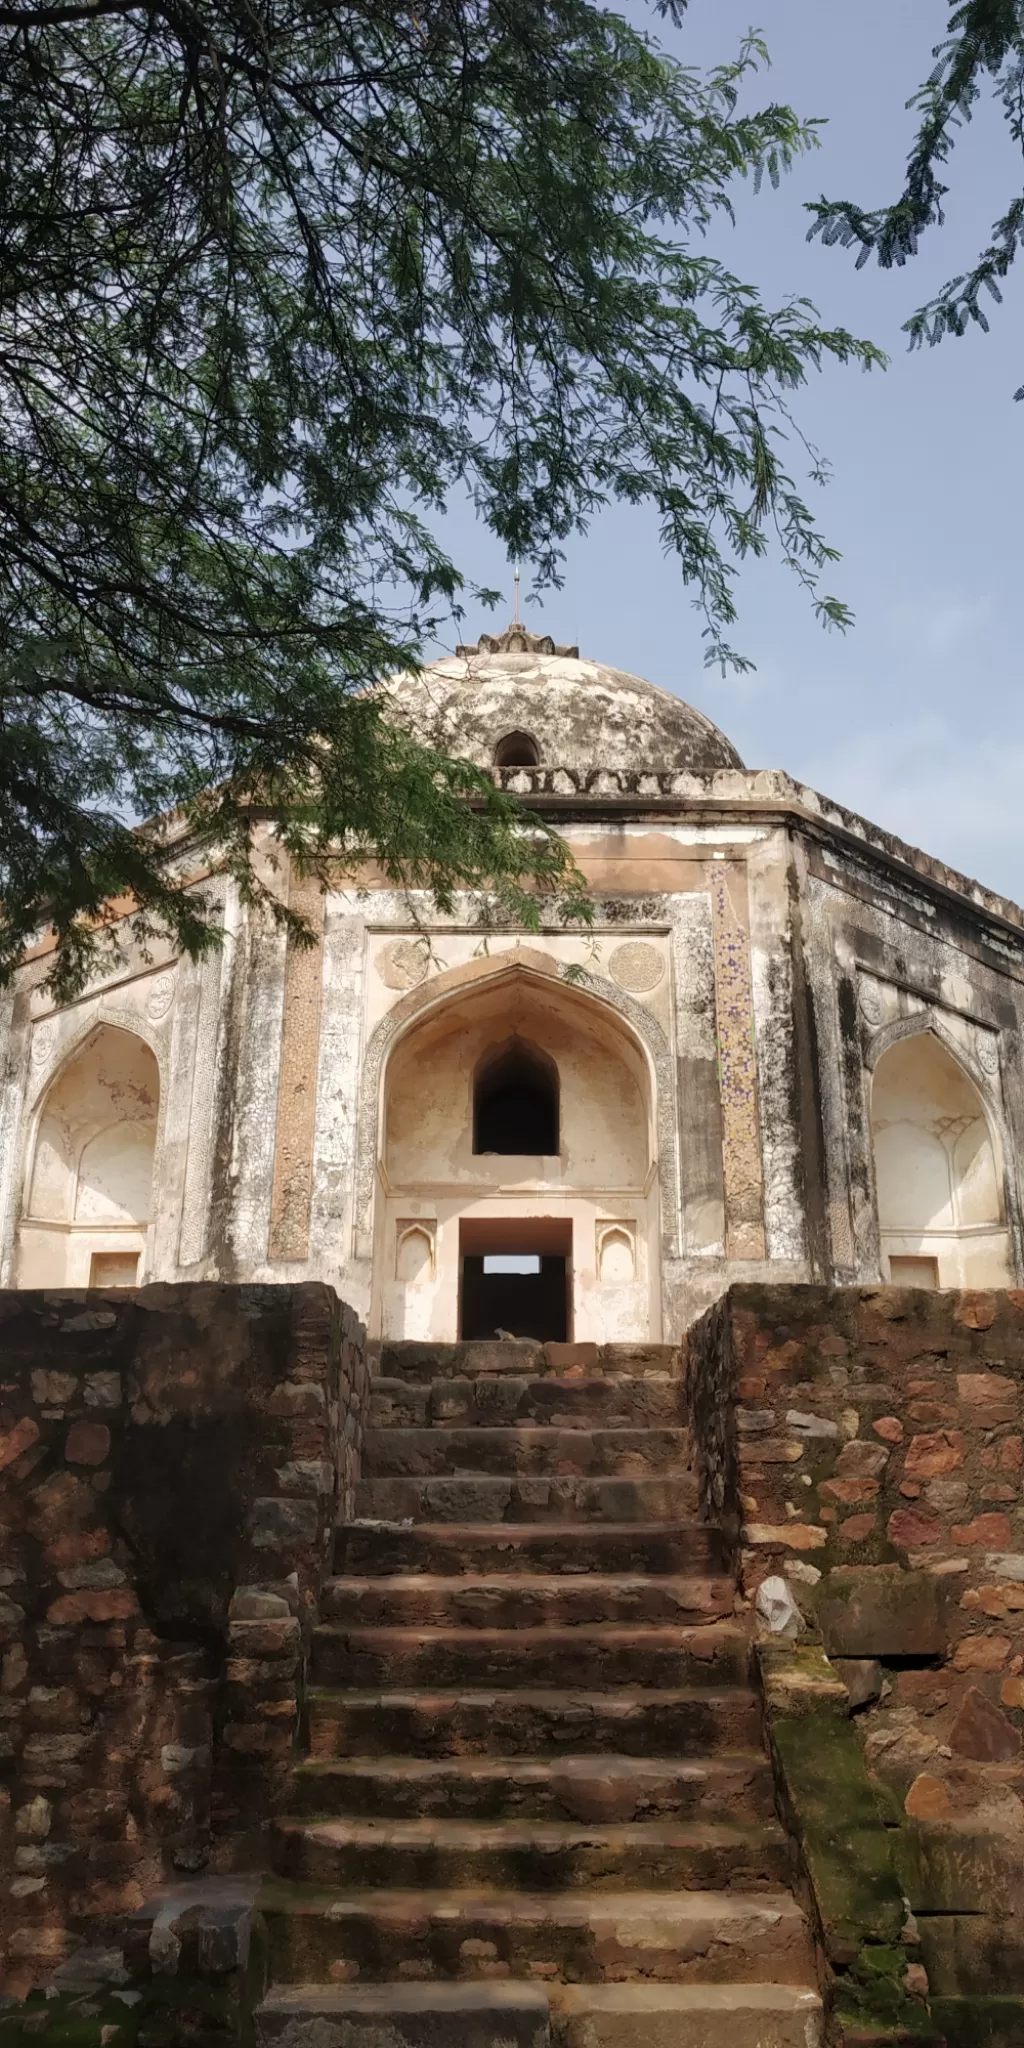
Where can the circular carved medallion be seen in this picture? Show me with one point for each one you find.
(636, 966)
(872, 1008)
(987, 1047)
(160, 998)
(44, 1038)
(404, 964)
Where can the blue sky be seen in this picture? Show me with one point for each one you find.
(915, 717)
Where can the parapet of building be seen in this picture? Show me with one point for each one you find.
(787, 1050)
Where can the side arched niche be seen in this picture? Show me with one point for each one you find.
(89, 1191)
(938, 1171)
(447, 1169)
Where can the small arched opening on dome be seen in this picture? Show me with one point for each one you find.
(517, 750)
(515, 1101)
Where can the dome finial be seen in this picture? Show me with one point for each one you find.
(516, 639)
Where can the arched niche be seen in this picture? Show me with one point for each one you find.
(517, 750)
(515, 1101)
(89, 1188)
(529, 1031)
(591, 1078)
(938, 1170)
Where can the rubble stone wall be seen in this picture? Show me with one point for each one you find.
(867, 1446)
(172, 1464)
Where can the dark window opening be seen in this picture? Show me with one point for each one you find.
(515, 1103)
(517, 750)
(496, 1305)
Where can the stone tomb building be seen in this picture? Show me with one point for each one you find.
(789, 1049)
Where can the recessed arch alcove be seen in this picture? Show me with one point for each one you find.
(506, 1052)
(515, 1100)
(938, 1169)
(89, 1190)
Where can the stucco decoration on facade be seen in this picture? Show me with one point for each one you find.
(404, 964)
(741, 1143)
(160, 998)
(636, 966)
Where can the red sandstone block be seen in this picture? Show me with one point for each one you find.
(857, 1529)
(18, 1439)
(910, 1528)
(1005, 1456)
(980, 1389)
(79, 1546)
(115, 1605)
(889, 1427)
(982, 1731)
(849, 1491)
(929, 1456)
(992, 1530)
(88, 1443)
(987, 1652)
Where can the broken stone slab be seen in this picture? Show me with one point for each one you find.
(799, 1681)
(409, 2015)
(201, 1927)
(862, 1677)
(881, 1610)
(687, 2016)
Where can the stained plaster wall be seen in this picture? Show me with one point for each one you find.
(180, 1010)
(775, 946)
(886, 958)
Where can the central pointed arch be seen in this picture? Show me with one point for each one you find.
(616, 1144)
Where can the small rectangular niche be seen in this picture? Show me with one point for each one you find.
(907, 1272)
(114, 1269)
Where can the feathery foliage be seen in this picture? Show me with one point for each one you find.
(985, 41)
(277, 278)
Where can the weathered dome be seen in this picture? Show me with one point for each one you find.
(521, 698)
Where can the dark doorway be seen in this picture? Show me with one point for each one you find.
(525, 1304)
(515, 1102)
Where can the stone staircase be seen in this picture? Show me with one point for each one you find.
(536, 1808)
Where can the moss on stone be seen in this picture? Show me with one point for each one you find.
(836, 1819)
(170, 2010)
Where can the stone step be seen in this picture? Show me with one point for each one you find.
(473, 1498)
(538, 1453)
(583, 1788)
(518, 1600)
(481, 2015)
(501, 1400)
(681, 1721)
(448, 1548)
(531, 1855)
(685, 2016)
(678, 1937)
(408, 1360)
(715, 1654)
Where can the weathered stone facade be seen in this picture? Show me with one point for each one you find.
(814, 1029)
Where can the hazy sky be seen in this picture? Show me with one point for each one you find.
(915, 718)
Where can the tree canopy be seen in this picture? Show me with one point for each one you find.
(985, 43)
(279, 277)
